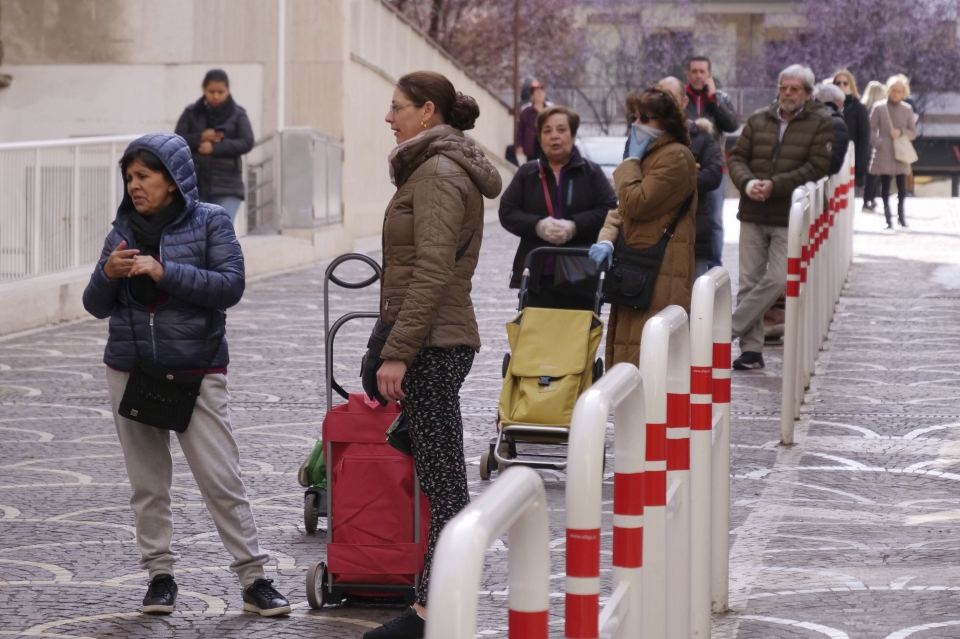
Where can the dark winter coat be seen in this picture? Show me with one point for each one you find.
(202, 275)
(709, 175)
(435, 217)
(841, 139)
(220, 173)
(802, 156)
(718, 109)
(587, 196)
(857, 118)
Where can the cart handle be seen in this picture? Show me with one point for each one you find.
(332, 384)
(543, 251)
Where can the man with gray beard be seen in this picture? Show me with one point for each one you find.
(782, 147)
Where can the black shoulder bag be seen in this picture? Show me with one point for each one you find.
(631, 279)
(159, 397)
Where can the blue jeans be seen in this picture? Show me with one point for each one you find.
(230, 203)
(716, 221)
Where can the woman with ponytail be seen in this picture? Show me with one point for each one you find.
(431, 244)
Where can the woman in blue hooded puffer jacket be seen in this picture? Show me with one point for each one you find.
(169, 268)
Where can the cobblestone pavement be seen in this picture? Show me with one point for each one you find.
(851, 533)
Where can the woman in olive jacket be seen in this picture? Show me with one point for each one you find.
(431, 244)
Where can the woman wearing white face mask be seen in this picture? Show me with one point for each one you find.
(657, 187)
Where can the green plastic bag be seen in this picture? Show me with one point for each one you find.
(317, 466)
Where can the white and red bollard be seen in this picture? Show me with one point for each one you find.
(516, 504)
(710, 318)
(665, 368)
(619, 390)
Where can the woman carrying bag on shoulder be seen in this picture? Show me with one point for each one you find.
(892, 127)
(657, 187)
(432, 231)
(168, 269)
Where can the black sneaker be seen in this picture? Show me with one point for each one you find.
(161, 596)
(748, 360)
(263, 598)
(409, 625)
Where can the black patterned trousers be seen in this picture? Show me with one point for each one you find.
(432, 404)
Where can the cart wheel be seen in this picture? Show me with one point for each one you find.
(311, 511)
(485, 466)
(597, 370)
(506, 364)
(317, 586)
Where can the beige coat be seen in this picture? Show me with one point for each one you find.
(651, 193)
(436, 213)
(901, 114)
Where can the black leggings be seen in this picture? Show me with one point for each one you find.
(885, 195)
(432, 404)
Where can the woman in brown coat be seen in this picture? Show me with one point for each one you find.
(431, 244)
(888, 121)
(656, 186)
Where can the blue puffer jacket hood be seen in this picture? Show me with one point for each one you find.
(203, 274)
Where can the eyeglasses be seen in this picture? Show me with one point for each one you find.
(645, 119)
(790, 89)
(396, 108)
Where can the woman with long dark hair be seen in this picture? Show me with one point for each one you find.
(657, 187)
(431, 244)
(219, 133)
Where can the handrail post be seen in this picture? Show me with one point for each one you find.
(515, 503)
(794, 328)
(710, 319)
(36, 230)
(665, 368)
(75, 211)
(621, 390)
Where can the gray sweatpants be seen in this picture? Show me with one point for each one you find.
(763, 278)
(211, 452)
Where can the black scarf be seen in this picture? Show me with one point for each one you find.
(146, 233)
(217, 115)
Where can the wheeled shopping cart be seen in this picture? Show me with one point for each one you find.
(377, 517)
(552, 361)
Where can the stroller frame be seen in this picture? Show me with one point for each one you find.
(503, 447)
(320, 587)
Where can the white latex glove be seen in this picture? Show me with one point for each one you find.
(550, 230)
(569, 229)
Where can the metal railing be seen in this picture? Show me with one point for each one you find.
(819, 253)
(57, 200)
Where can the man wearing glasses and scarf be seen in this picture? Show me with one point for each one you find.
(782, 146)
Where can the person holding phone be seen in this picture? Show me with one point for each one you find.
(218, 132)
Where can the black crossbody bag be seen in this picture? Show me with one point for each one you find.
(159, 397)
(631, 279)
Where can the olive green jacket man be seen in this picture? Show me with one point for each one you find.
(803, 155)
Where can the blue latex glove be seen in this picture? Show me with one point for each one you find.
(601, 253)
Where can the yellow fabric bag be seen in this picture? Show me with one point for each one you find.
(551, 364)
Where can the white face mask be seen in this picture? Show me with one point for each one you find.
(641, 131)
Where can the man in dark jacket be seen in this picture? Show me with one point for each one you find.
(709, 176)
(583, 196)
(782, 146)
(832, 98)
(705, 101)
(218, 132)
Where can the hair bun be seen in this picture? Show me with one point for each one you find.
(463, 113)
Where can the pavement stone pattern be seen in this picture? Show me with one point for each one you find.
(850, 533)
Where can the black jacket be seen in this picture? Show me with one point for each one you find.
(587, 197)
(857, 118)
(220, 173)
(719, 111)
(841, 139)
